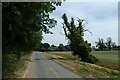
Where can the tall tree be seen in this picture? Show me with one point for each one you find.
(75, 34)
(23, 24)
(61, 47)
(114, 46)
(109, 43)
(53, 45)
(46, 46)
(68, 47)
(100, 44)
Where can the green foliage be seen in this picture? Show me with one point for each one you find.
(61, 47)
(23, 24)
(11, 64)
(108, 45)
(68, 47)
(53, 45)
(45, 46)
(100, 44)
(78, 45)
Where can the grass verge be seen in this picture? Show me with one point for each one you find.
(83, 69)
(14, 68)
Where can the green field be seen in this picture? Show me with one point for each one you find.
(106, 55)
(107, 59)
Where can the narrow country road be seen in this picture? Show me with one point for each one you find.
(42, 67)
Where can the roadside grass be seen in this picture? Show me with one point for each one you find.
(66, 55)
(83, 69)
(14, 68)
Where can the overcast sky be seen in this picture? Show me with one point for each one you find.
(102, 18)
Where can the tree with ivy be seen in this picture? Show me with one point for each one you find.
(75, 33)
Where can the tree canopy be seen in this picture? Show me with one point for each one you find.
(108, 45)
(100, 44)
(46, 45)
(23, 24)
(61, 47)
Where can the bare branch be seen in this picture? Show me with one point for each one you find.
(88, 31)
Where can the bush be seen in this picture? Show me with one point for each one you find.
(90, 59)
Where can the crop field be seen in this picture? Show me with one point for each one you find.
(107, 66)
(107, 58)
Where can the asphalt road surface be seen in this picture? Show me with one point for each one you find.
(42, 67)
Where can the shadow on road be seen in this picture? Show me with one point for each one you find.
(49, 59)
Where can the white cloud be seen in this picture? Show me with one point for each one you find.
(103, 30)
(102, 20)
(55, 39)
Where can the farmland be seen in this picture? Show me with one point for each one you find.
(107, 59)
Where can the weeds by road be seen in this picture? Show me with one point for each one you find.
(14, 68)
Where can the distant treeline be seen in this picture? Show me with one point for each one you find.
(100, 46)
(48, 47)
